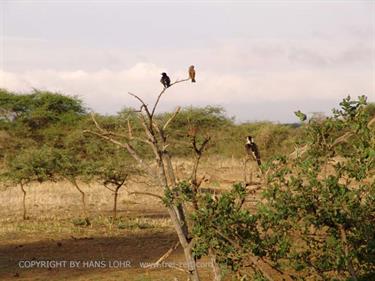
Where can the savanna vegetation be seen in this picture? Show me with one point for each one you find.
(307, 213)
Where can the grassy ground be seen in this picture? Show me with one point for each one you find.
(106, 249)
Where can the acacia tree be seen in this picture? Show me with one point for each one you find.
(79, 160)
(114, 172)
(156, 139)
(39, 117)
(43, 119)
(30, 165)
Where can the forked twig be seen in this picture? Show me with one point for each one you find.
(144, 105)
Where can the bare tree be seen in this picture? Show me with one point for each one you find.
(156, 139)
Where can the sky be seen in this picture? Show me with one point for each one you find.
(260, 60)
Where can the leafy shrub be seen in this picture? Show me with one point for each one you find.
(319, 211)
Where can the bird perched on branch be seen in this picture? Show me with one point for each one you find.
(165, 80)
(192, 73)
(252, 149)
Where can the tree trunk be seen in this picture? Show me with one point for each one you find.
(24, 201)
(180, 210)
(179, 221)
(82, 195)
(191, 264)
(215, 266)
(181, 216)
(115, 202)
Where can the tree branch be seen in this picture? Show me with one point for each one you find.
(146, 193)
(171, 118)
(107, 187)
(144, 105)
(125, 145)
(162, 92)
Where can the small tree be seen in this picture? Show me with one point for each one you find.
(79, 160)
(30, 165)
(114, 172)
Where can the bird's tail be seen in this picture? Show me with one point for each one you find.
(259, 162)
(193, 80)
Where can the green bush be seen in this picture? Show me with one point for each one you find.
(319, 209)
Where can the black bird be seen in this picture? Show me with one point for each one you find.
(252, 149)
(165, 80)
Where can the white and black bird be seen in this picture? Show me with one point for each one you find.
(252, 149)
(165, 80)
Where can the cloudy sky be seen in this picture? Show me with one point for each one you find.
(260, 60)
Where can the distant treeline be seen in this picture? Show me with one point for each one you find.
(42, 118)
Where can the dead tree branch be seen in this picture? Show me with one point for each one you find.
(171, 118)
(144, 105)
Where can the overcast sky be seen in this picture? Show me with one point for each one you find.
(260, 60)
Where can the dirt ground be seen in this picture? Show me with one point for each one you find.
(56, 243)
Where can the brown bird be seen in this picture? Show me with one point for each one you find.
(192, 73)
(252, 149)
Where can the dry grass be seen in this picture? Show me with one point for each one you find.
(62, 197)
(55, 216)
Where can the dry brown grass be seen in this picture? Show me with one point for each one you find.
(55, 214)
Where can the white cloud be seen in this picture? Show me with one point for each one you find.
(106, 90)
(241, 73)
